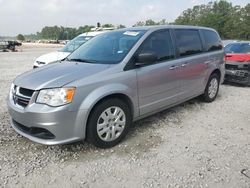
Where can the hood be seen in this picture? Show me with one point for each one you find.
(52, 57)
(57, 74)
(237, 57)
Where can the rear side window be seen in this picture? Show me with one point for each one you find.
(188, 42)
(212, 41)
(159, 43)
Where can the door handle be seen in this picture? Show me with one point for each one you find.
(173, 67)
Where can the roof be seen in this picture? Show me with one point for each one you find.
(147, 28)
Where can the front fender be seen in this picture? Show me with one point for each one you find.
(96, 95)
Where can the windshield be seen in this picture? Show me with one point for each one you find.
(75, 43)
(238, 48)
(108, 48)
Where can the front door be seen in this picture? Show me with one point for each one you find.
(158, 84)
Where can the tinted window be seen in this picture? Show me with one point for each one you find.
(160, 44)
(188, 42)
(212, 40)
(107, 48)
(238, 48)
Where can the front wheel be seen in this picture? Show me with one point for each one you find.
(108, 123)
(212, 88)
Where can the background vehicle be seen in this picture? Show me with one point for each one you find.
(9, 45)
(238, 62)
(114, 79)
(66, 50)
(226, 42)
(3, 45)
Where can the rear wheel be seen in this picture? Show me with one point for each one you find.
(212, 88)
(109, 123)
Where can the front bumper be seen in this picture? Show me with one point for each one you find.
(238, 72)
(48, 125)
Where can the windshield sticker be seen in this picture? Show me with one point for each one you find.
(120, 52)
(131, 33)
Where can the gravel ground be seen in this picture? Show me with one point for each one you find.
(192, 145)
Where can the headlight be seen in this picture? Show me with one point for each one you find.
(56, 96)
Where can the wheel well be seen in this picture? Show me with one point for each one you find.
(120, 96)
(217, 71)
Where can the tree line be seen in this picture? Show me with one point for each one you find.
(232, 22)
(64, 33)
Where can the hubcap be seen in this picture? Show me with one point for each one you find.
(213, 87)
(111, 123)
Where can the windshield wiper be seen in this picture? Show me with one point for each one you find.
(82, 60)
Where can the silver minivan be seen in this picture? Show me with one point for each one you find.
(114, 79)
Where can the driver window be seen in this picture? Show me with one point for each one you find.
(160, 44)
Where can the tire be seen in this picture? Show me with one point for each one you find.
(211, 92)
(105, 129)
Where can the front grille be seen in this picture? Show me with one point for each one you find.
(21, 101)
(26, 92)
(22, 96)
(231, 67)
(242, 74)
(34, 131)
(237, 67)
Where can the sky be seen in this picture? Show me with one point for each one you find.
(30, 16)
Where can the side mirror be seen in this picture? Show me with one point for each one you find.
(146, 58)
